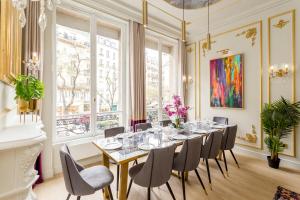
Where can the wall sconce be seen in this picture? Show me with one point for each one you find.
(279, 71)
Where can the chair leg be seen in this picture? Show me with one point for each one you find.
(199, 178)
(118, 177)
(130, 183)
(225, 162)
(208, 173)
(234, 158)
(183, 184)
(149, 193)
(110, 193)
(68, 197)
(135, 163)
(78, 198)
(220, 167)
(170, 190)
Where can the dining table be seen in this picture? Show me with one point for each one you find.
(128, 147)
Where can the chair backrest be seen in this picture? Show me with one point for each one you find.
(158, 167)
(212, 145)
(220, 120)
(143, 126)
(74, 183)
(111, 132)
(229, 136)
(189, 157)
(165, 122)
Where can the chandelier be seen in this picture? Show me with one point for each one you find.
(21, 5)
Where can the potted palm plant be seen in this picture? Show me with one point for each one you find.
(278, 120)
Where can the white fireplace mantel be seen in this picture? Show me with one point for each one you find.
(20, 144)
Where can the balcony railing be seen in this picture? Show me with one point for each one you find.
(80, 124)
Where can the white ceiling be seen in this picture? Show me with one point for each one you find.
(223, 11)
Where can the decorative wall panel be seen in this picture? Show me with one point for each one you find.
(281, 54)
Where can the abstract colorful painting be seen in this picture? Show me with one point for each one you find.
(226, 82)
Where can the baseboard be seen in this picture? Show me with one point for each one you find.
(263, 156)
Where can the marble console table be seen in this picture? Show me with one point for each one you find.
(20, 144)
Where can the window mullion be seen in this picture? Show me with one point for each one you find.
(93, 75)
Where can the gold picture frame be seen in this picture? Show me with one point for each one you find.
(11, 41)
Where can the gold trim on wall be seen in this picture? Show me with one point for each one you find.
(293, 12)
(11, 40)
(260, 146)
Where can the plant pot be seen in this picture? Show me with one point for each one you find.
(273, 163)
(33, 105)
(23, 105)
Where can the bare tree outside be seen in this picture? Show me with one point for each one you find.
(111, 89)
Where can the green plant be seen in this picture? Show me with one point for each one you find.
(278, 120)
(36, 88)
(22, 90)
(28, 87)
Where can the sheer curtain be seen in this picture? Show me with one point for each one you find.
(31, 33)
(137, 93)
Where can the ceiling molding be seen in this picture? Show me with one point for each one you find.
(235, 19)
(119, 9)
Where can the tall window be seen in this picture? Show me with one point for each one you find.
(88, 97)
(109, 104)
(73, 107)
(159, 63)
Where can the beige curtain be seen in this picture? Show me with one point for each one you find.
(182, 70)
(31, 32)
(137, 74)
(10, 40)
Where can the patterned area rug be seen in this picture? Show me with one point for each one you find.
(285, 194)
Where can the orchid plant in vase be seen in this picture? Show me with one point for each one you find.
(176, 111)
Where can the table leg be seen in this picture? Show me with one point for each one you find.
(123, 181)
(106, 164)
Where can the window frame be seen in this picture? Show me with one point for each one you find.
(94, 16)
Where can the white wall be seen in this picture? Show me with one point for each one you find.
(281, 49)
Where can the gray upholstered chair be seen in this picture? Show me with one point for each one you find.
(143, 126)
(220, 120)
(156, 171)
(188, 160)
(228, 142)
(165, 123)
(80, 181)
(211, 150)
(111, 132)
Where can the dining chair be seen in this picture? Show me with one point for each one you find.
(80, 181)
(155, 172)
(111, 132)
(220, 120)
(165, 123)
(228, 142)
(211, 150)
(188, 160)
(143, 126)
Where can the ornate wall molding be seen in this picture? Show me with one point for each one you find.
(249, 34)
